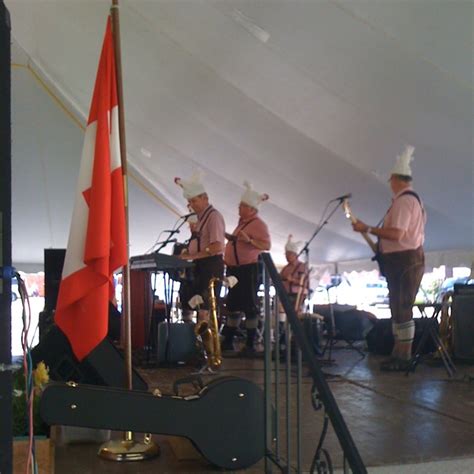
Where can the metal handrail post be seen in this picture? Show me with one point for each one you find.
(299, 377)
(267, 371)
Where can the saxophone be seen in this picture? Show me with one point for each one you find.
(208, 331)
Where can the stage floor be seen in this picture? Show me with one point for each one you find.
(393, 419)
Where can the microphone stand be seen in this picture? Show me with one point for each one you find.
(171, 233)
(332, 332)
(168, 289)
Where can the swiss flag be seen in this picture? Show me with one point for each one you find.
(97, 244)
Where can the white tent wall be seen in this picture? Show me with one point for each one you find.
(319, 108)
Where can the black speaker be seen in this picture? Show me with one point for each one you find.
(380, 337)
(103, 366)
(53, 269)
(462, 313)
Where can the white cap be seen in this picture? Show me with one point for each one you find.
(251, 197)
(402, 166)
(192, 187)
(292, 246)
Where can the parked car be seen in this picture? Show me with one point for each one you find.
(376, 293)
(448, 285)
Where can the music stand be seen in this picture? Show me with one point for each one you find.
(429, 331)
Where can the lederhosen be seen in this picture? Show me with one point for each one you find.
(243, 296)
(207, 267)
(403, 271)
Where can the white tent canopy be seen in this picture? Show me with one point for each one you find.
(308, 100)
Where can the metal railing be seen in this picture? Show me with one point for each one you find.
(288, 458)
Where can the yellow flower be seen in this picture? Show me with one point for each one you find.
(41, 375)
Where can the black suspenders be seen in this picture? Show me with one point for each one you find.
(234, 242)
(296, 270)
(409, 192)
(202, 223)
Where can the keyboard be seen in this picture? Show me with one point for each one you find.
(158, 262)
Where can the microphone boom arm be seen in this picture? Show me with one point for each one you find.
(170, 239)
(305, 249)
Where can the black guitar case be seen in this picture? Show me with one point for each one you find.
(224, 420)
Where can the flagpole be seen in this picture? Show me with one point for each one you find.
(123, 156)
(126, 449)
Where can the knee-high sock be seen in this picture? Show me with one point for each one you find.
(406, 334)
(234, 319)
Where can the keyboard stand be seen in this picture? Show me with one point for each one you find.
(430, 331)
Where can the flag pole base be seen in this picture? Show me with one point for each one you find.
(129, 450)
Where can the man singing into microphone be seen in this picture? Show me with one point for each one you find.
(206, 246)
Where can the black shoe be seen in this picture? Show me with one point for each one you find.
(395, 365)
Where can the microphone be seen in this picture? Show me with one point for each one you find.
(187, 216)
(341, 198)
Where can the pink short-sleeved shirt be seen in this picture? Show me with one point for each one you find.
(407, 214)
(296, 270)
(239, 252)
(210, 228)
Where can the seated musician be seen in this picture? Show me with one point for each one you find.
(206, 246)
(294, 275)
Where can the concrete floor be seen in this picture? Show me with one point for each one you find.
(394, 420)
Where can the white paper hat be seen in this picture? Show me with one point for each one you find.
(402, 166)
(292, 246)
(251, 197)
(193, 186)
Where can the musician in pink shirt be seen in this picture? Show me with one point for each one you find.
(206, 246)
(401, 257)
(294, 275)
(249, 239)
